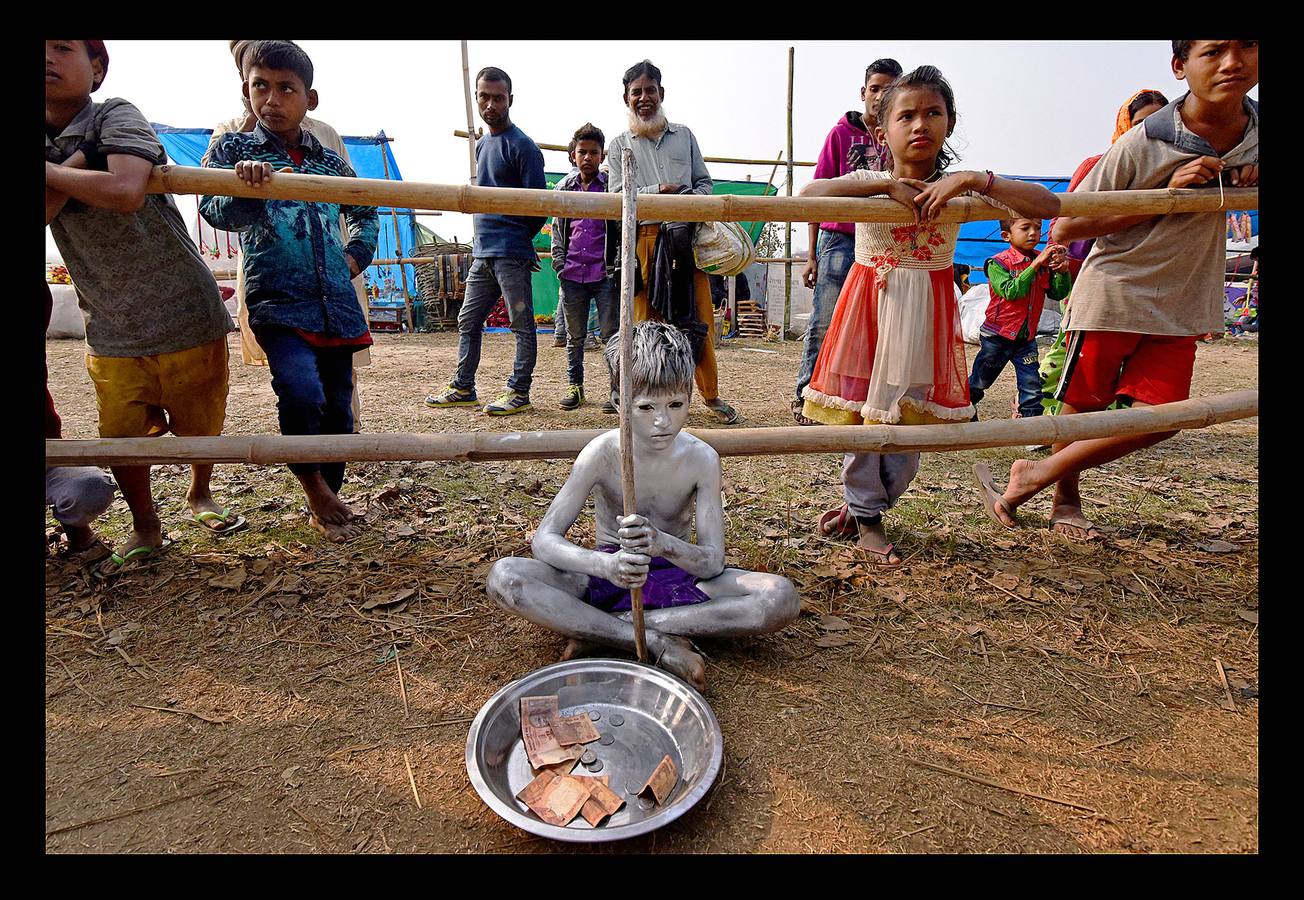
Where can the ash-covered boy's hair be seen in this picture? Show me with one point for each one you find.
(661, 362)
(277, 55)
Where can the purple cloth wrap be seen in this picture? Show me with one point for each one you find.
(667, 585)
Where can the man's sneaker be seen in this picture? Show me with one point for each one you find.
(452, 397)
(509, 404)
(574, 397)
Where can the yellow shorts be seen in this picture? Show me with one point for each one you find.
(144, 396)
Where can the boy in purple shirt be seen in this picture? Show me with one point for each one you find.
(851, 145)
(579, 256)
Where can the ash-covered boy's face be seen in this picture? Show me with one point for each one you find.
(279, 99)
(657, 419)
(69, 71)
(1218, 71)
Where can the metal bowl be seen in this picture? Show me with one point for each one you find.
(658, 715)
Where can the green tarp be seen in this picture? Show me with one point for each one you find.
(544, 282)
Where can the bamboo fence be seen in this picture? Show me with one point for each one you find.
(666, 207)
(272, 449)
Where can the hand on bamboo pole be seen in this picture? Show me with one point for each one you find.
(629, 247)
(667, 207)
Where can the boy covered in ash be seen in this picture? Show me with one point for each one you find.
(687, 590)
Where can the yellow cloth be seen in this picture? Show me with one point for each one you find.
(145, 396)
(707, 376)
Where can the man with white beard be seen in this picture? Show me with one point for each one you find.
(667, 161)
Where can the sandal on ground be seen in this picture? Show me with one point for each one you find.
(838, 523)
(209, 520)
(1076, 521)
(885, 556)
(724, 413)
(992, 499)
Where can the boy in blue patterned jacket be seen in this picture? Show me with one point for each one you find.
(302, 307)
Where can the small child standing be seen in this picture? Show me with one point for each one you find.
(302, 307)
(1021, 279)
(155, 324)
(894, 353)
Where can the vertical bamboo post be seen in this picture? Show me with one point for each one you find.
(470, 122)
(629, 249)
(398, 241)
(787, 243)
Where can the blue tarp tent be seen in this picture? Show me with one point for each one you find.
(980, 241)
(186, 146)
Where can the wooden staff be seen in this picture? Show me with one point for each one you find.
(479, 446)
(719, 159)
(787, 240)
(470, 122)
(629, 264)
(664, 207)
(398, 245)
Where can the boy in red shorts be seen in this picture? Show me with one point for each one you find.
(1152, 284)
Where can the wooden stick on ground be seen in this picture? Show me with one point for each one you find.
(1227, 688)
(412, 781)
(139, 809)
(629, 245)
(996, 784)
(402, 690)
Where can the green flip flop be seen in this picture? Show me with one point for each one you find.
(205, 517)
(136, 553)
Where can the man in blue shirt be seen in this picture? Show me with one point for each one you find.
(503, 254)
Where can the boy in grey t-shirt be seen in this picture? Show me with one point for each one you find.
(155, 324)
(1152, 284)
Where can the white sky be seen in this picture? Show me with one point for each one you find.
(1025, 107)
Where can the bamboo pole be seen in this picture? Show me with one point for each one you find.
(787, 241)
(718, 159)
(469, 134)
(398, 247)
(629, 249)
(663, 207)
(272, 449)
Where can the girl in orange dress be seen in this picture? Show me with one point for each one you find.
(893, 353)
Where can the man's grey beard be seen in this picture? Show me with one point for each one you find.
(648, 128)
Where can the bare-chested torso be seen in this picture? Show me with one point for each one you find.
(665, 488)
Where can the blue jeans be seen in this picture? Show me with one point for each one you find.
(993, 353)
(314, 391)
(488, 279)
(836, 252)
(575, 298)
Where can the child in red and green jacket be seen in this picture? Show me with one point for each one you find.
(1021, 279)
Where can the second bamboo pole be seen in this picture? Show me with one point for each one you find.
(629, 249)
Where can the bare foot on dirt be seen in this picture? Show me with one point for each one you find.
(576, 648)
(331, 516)
(873, 540)
(1067, 519)
(678, 657)
(336, 533)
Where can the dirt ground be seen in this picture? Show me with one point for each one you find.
(232, 694)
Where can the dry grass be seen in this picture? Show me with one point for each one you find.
(1084, 674)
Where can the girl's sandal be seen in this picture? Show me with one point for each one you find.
(885, 556)
(838, 523)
